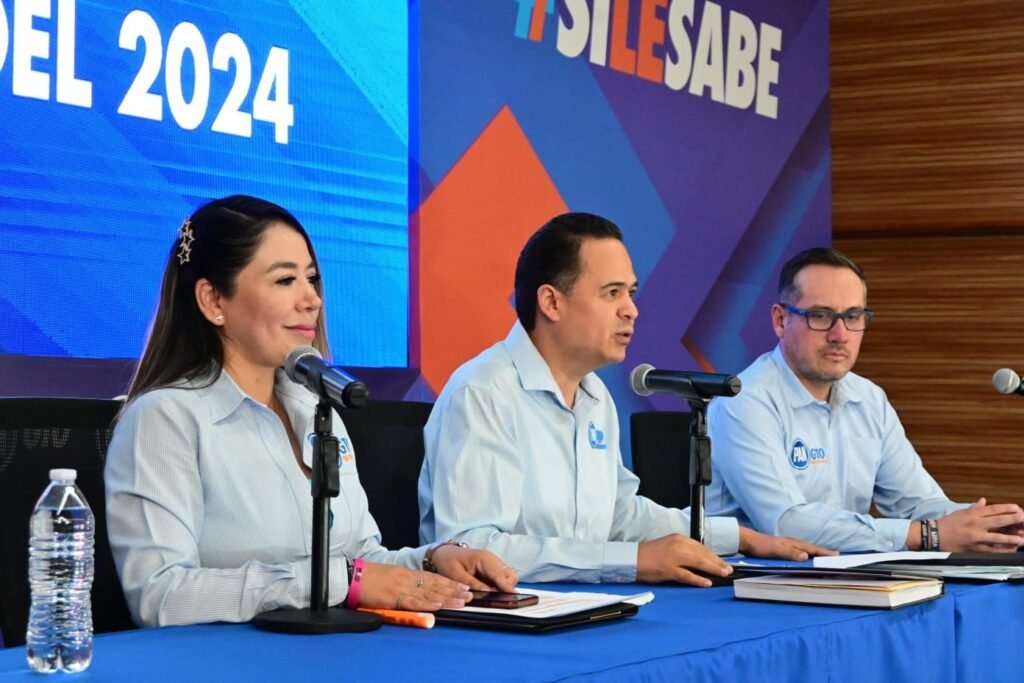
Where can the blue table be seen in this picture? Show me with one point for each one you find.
(685, 634)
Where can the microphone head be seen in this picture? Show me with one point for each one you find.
(638, 379)
(293, 358)
(1006, 381)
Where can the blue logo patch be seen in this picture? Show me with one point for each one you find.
(798, 456)
(596, 437)
(801, 455)
(345, 452)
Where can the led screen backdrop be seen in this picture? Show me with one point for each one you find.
(701, 128)
(117, 119)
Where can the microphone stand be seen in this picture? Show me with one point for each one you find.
(326, 484)
(700, 465)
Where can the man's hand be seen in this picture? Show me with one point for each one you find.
(389, 587)
(756, 544)
(668, 559)
(983, 528)
(479, 569)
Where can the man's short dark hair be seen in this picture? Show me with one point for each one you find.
(789, 291)
(552, 257)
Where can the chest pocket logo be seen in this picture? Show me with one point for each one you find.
(596, 437)
(798, 456)
(345, 452)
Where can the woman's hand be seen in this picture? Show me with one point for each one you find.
(386, 586)
(478, 569)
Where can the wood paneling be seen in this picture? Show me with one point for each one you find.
(927, 103)
(950, 312)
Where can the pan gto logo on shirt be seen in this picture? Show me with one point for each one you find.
(802, 455)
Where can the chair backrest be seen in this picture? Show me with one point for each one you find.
(660, 443)
(37, 435)
(387, 437)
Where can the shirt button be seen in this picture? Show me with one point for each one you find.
(888, 544)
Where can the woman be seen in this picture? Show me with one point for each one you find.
(207, 474)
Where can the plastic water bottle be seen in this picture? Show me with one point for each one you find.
(60, 571)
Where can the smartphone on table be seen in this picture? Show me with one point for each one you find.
(499, 600)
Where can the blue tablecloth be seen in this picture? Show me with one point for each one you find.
(685, 634)
(989, 631)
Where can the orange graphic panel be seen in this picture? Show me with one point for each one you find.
(470, 230)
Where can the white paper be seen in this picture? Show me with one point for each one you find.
(861, 559)
(555, 603)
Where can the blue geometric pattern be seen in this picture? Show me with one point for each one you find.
(712, 199)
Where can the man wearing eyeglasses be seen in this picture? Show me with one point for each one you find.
(808, 444)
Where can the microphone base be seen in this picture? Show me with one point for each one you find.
(312, 622)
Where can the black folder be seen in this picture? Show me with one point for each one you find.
(509, 621)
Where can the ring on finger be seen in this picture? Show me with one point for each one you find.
(419, 582)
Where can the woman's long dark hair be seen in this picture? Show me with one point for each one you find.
(182, 343)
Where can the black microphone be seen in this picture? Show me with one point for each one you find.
(693, 386)
(1006, 381)
(305, 366)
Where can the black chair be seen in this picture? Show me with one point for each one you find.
(387, 437)
(37, 435)
(660, 442)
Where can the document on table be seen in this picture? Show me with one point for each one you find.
(950, 566)
(555, 603)
(861, 559)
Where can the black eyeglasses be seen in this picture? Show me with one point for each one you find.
(822, 320)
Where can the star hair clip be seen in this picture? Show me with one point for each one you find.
(187, 237)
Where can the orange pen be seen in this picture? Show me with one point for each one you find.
(402, 617)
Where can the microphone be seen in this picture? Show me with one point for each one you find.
(305, 366)
(693, 386)
(1006, 381)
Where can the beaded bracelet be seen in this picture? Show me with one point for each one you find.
(356, 586)
(933, 534)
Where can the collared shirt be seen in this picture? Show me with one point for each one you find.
(210, 517)
(786, 463)
(511, 468)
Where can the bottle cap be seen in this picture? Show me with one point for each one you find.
(65, 474)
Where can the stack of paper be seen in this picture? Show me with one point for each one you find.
(951, 566)
(555, 610)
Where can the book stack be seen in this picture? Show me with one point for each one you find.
(845, 588)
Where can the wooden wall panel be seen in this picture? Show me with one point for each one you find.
(927, 103)
(950, 312)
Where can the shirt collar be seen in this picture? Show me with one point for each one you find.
(534, 372)
(224, 396)
(843, 390)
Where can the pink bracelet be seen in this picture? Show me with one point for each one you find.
(356, 587)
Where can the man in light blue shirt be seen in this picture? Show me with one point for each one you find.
(522, 447)
(808, 444)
